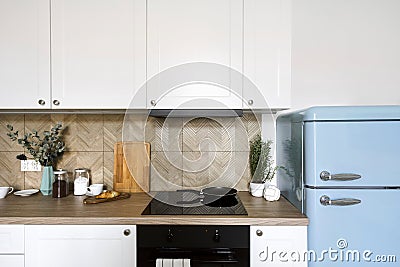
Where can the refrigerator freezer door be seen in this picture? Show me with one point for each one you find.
(352, 153)
(355, 234)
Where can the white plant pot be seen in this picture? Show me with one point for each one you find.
(256, 189)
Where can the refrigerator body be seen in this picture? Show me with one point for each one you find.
(340, 167)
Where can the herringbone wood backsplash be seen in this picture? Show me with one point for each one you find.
(184, 152)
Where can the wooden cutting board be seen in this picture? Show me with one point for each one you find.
(131, 167)
(94, 200)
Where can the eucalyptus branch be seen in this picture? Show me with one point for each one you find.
(44, 149)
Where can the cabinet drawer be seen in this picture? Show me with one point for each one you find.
(12, 260)
(11, 240)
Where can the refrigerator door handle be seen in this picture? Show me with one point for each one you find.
(327, 201)
(326, 176)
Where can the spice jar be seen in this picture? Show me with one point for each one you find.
(61, 183)
(81, 181)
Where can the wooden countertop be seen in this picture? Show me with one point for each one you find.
(40, 209)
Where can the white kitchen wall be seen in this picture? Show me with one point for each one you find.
(345, 52)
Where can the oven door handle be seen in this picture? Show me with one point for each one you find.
(218, 256)
(216, 261)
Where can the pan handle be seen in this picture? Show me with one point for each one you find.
(197, 200)
(190, 191)
(194, 201)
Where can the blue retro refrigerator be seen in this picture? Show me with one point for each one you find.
(341, 168)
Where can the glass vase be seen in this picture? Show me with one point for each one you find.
(47, 180)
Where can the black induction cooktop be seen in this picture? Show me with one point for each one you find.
(186, 203)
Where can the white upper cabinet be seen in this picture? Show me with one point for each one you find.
(98, 53)
(194, 53)
(24, 54)
(267, 59)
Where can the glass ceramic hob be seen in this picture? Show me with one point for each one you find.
(187, 203)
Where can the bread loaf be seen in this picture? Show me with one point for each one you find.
(108, 194)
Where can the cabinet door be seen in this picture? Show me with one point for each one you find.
(80, 245)
(12, 260)
(193, 31)
(267, 46)
(98, 53)
(11, 239)
(24, 54)
(278, 246)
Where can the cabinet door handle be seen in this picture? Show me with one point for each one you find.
(327, 201)
(250, 102)
(41, 102)
(56, 102)
(127, 232)
(326, 176)
(153, 102)
(259, 233)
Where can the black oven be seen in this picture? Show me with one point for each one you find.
(205, 246)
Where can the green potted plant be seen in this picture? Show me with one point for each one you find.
(44, 149)
(262, 168)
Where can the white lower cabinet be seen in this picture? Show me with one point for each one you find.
(80, 245)
(278, 246)
(12, 245)
(12, 260)
(11, 239)
(115, 245)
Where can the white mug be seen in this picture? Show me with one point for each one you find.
(5, 190)
(95, 189)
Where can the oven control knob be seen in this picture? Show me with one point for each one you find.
(217, 236)
(170, 236)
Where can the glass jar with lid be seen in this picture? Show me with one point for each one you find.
(61, 183)
(81, 181)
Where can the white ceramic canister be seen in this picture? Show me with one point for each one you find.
(81, 181)
(257, 189)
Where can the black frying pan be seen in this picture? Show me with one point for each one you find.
(213, 196)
